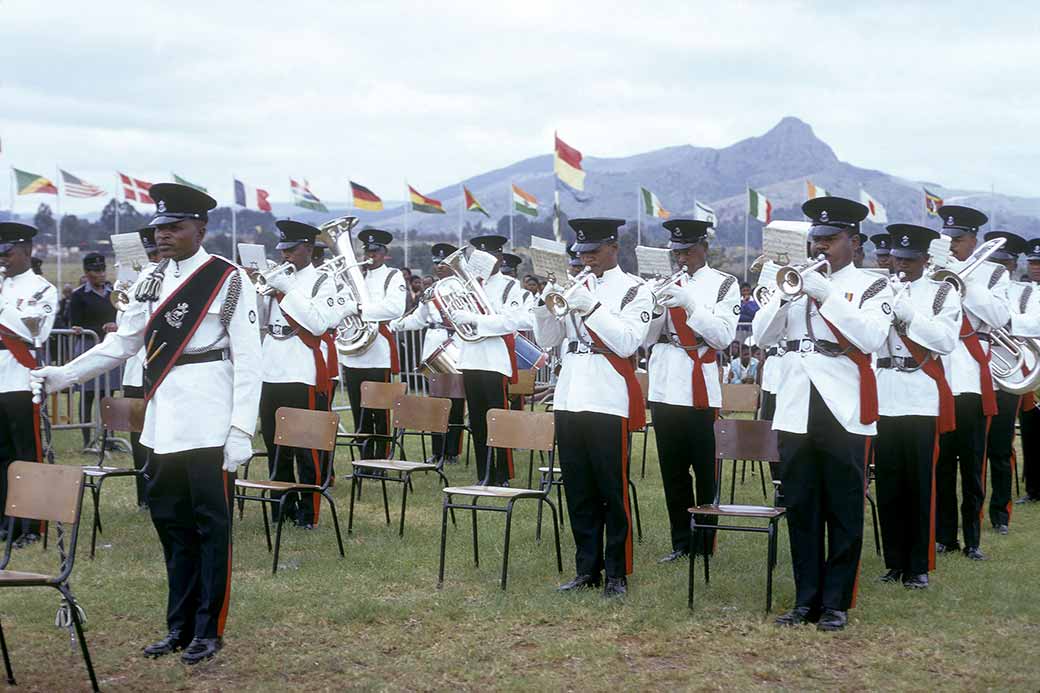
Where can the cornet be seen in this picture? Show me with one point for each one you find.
(262, 279)
(658, 285)
(120, 296)
(790, 279)
(558, 301)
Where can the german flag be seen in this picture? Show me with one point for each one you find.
(26, 183)
(365, 198)
(426, 205)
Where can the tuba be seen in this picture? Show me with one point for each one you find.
(460, 292)
(353, 335)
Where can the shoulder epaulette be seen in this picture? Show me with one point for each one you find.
(940, 297)
(873, 290)
(506, 289)
(389, 278)
(1023, 300)
(727, 284)
(998, 272)
(630, 295)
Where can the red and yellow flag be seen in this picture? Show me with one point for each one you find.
(365, 198)
(421, 203)
(567, 165)
(471, 203)
(26, 183)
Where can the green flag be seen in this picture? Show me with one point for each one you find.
(178, 179)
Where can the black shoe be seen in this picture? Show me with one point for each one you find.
(795, 617)
(916, 582)
(615, 587)
(891, 576)
(674, 556)
(1002, 529)
(1027, 499)
(832, 619)
(580, 582)
(175, 640)
(974, 554)
(947, 548)
(200, 649)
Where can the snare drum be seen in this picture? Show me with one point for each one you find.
(443, 360)
(528, 355)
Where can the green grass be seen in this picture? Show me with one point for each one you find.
(375, 619)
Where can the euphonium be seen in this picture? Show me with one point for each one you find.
(353, 335)
(461, 292)
(1014, 362)
(558, 301)
(262, 278)
(789, 279)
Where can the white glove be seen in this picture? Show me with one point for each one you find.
(281, 282)
(939, 251)
(551, 287)
(816, 286)
(395, 324)
(347, 309)
(49, 378)
(237, 449)
(465, 317)
(903, 309)
(580, 300)
(679, 297)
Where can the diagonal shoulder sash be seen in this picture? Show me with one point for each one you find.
(627, 370)
(933, 368)
(18, 348)
(176, 320)
(688, 338)
(868, 398)
(971, 342)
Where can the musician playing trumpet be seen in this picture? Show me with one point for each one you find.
(700, 318)
(826, 408)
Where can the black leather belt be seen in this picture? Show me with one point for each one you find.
(673, 339)
(820, 346)
(776, 351)
(281, 331)
(204, 357)
(898, 362)
(579, 348)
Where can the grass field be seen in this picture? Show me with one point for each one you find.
(375, 620)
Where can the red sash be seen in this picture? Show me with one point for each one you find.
(395, 364)
(933, 368)
(868, 404)
(324, 371)
(18, 348)
(627, 370)
(687, 337)
(510, 340)
(971, 342)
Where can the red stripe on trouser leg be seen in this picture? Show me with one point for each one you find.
(931, 521)
(222, 619)
(866, 484)
(624, 492)
(312, 404)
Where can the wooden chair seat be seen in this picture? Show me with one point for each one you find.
(394, 465)
(493, 491)
(14, 577)
(276, 485)
(95, 470)
(763, 511)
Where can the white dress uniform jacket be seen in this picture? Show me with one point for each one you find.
(985, 305)
(714, 320)
(587, 381)
(285, 358)
(860, 307)
(24, 295)
(936, 322)
(1024, 305)
(425, 316)
(197, 404)
(386, 301)
(491, 354)
(133, 369)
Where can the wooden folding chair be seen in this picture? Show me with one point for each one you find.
(449, 386)
(52, 493)
(411, 415)
(742, 398)
(525, 387)
(377, 397)
(118, 415)
(509, 430)
(296, 428)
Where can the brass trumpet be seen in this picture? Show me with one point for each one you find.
(262, 279)
(790, 279)
(120, 296)
(557, 301)
(658, 285)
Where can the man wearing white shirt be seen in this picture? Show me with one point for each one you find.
(1029, 418)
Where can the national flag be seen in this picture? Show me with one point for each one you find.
(182, 181)
(524, 202)
(303, 197)
(77, 187)
(652, 205)
(703, 212)
(876, 211)
(814, 191)
(567, 165)
(365, 198)
(471, 203)
(759, 207)
(26, 183)
(421, 203)
(250, 197)
(932, 202)
(136, 189)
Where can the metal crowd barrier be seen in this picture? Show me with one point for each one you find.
(67, 409)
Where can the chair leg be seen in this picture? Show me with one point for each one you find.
(743, 470)
(267, 525)
(404, 501)
(769, 566)
(278, 533)
(95, 491)
(335, 522)
(559, 500)
(693, 560)
(873, 515)
(642, 473)
(354, 481)
(538, 523)
(7, 658)
(95, 527)
(635, 506)
(386, 503)
(444, 479)
(556, 536)
(444, 539)
(530, 468)
(505, 550)
(733, 483)
(79, 634)
(762, 478)
(476, 551)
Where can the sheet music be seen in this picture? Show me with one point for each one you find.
(481, 264)
(653, 262)
(785, 242)
(131, 257)
(252, 256)
(549, 257)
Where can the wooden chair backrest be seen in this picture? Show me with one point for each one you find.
(741, 439)
(304, 428)
(524, 430)
(448, 385)
(740, 398)
(123, 414)
(427, 414)
(644, 383)
(524, 383)
(381, 395)
(50, 492)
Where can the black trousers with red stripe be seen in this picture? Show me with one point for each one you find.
(450, 444)
(1029, 420)
(964, 448)
(999, 449)
(374, 420)
(686, 439)
(293, 464)
(140, 452)
(189, 496)
(487, 390)
(823, 483)
(904, 461)
(593, 463)
(19, 435)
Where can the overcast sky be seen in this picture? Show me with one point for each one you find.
(434, 92)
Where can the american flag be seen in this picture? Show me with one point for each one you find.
(136, 189)
(77, 187)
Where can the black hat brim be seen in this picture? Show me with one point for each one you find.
(682, 245)
(170, 218)
(907, 253)
(590, 246)
(286, 245)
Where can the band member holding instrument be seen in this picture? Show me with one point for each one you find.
(598, 402)
(299, 361)
(1029, 418)
(882, 250)
(985, 308)
(915, 404)
(826, 408)
(195, 314)
(700, 318)
(27, 300)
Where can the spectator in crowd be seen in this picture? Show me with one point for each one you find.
(748, 305)
(37, 265)
(531, 284)
(743, 370)
(91, 309)
(427, 281)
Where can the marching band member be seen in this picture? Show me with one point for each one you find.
(916, 405)
(24, 296)
(598, 402)
(196, 317)
(771, 368)
(299, 360)
(985, 307)
(826, 410)
(1029, 418)
(882, 250)
(700, 317)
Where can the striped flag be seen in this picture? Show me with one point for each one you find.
(250, 197)
(524, 202)
(875, 210)
(471, 203)
(814, 191)
(26, 183)
(421, 203)
(567, 165)
(136, 189)
(182, 181)
(365, 198)
(932, 202)
(703, 212)
(759, 207)
(77, 187)
(652, 205)
(303, 197)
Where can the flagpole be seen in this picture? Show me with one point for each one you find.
(407, 206)
(13, 193)
(59, 184)
(639, 216)
(462, 211)
(509, 211)
(747, 214)
(119, 184)
(556, 215)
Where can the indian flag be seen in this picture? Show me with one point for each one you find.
(26, 183)
(471, 203)
(567, 165)
(524, 202)
(421, 203)
(365, 198)
(652, 205)
(303, 197)
(876, 212)
(759, 207)
(814, 191)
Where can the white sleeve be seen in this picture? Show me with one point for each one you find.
(718, 327)
(624, 330)
(392, 304)
(244, 338)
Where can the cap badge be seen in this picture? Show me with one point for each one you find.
(824, 215)
(580, 234)
(904, 241)
(949, 221)
(161, 206)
